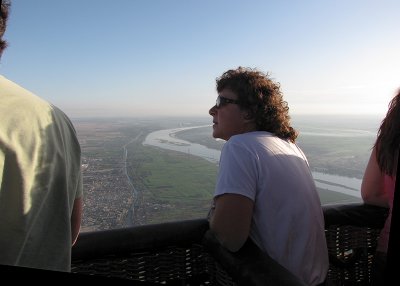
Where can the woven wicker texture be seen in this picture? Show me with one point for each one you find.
(176, 255)
(188, 266)
(351, 250)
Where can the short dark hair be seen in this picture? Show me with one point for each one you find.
(4, 9)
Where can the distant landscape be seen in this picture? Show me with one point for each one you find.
(128, 183)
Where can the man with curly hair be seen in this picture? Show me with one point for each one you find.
(265, 190)
(40, 177)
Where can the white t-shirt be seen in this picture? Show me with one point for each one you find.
(288, 220)
(40, 178)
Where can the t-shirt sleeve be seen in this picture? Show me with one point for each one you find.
(72, 153)
(238, 172)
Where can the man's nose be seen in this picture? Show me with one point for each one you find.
(212, 110)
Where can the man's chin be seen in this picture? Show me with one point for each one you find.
(215, 134)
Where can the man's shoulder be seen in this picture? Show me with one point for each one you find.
(19, 100)
(17, 94)
(251, 137)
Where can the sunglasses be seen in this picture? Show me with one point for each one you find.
(221, 101)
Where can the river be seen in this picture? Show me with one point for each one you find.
(167, 139)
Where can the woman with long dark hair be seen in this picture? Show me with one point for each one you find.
(379, 179)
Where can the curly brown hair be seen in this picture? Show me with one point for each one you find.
(262, 97)
(388, 140)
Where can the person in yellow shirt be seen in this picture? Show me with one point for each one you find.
(40, 177)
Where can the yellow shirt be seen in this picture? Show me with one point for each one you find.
(40, 178)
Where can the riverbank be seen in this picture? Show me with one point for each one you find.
(332, 188)
(173, 185)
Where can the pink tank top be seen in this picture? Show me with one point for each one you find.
(389, 186)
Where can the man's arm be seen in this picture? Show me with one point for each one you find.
(372, 186)
(231, 220)
(76, 219)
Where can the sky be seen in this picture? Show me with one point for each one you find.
(98, 58)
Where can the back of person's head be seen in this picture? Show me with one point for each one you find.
(262, 97)
(388, 140)
(5, 6)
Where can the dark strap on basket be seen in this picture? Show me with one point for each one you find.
(393, 252)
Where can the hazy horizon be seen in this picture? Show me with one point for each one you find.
(325, 117)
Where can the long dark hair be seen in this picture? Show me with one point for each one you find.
(388, 140)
